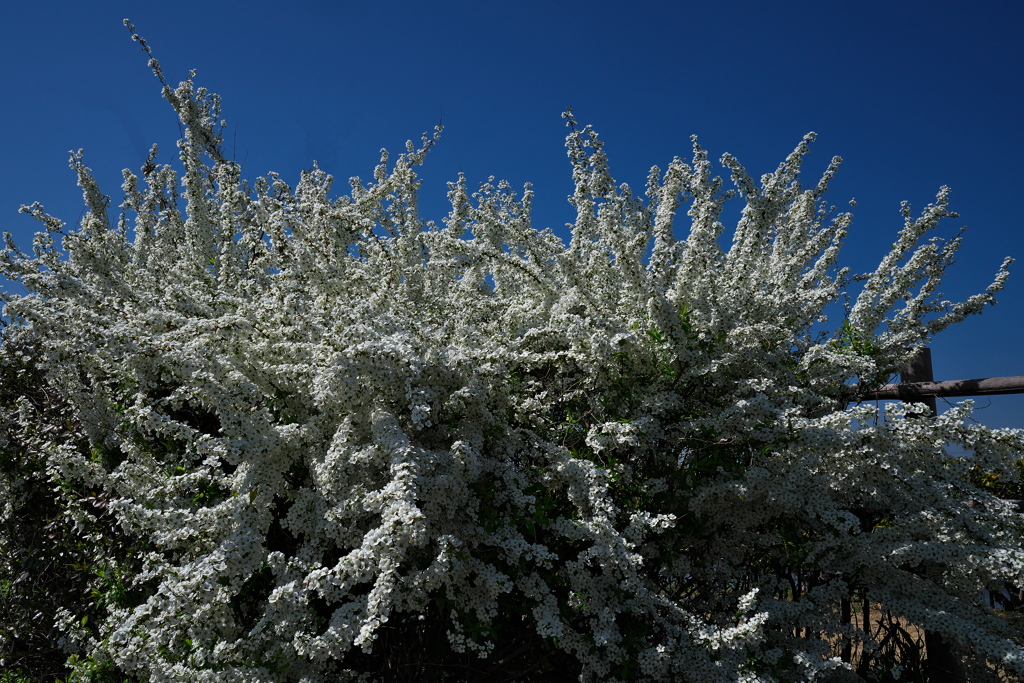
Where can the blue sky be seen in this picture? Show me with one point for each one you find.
(913, 95)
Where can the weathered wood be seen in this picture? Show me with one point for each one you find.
(990, 386)
(943, 663)
(919, 370)
(918, 384)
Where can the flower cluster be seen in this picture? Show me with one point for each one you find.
(339, 442)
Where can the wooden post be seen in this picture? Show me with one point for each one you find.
(919, 369)
(943, 665)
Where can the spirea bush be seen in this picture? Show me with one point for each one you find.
(329, 449)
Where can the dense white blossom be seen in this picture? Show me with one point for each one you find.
(320, 406)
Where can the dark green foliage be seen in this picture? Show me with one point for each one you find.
(46, 561)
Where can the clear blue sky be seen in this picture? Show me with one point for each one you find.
(912, 95)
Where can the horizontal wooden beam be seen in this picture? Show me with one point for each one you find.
(990, 386)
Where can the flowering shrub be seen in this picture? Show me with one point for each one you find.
(59, 546)
(344, 455)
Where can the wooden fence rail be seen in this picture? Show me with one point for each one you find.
(990, 386)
